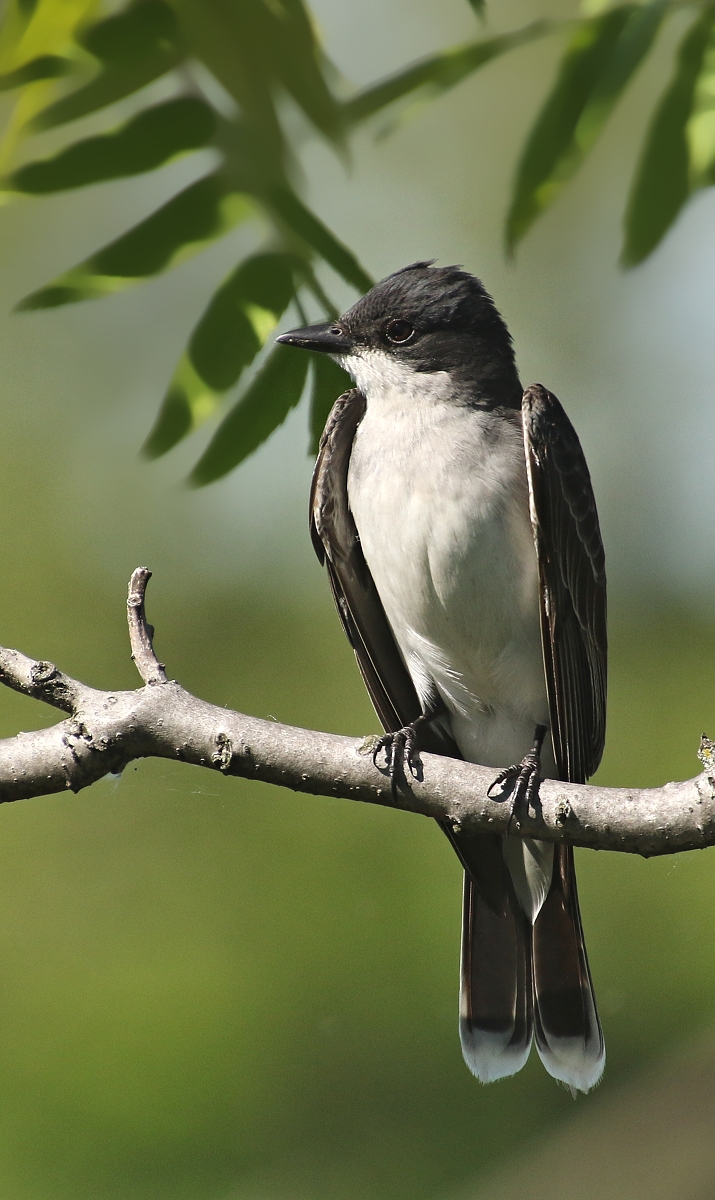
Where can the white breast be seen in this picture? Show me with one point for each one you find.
(439, 495)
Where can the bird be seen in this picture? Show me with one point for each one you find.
(455, 514)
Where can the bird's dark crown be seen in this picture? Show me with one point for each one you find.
(438, 319)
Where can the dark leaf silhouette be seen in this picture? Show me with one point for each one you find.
(663, 181)
(276, 389)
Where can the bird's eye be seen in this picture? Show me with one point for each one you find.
(399, 332)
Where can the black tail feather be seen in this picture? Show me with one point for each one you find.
(566, 1025)
(516, 980)
(496, 1012)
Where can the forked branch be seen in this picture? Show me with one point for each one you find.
(105, 731)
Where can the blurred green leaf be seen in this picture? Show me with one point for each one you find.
(110, 86)
(187, 404)
(37, 39)
(240, 316)
(662, 182)
(440, 72)
(329, 381)
(298, 66)
(133, 34)
(144, 143)
(253, 45)
(258, 50)
(136, 47)
(479, 6)
(700, 129)
(276, 389)
(30, 31)
(551, 140)
(47, 66)
(225, 42)
(202, 212)
(232, 331)
(631, 48)
(303, 222)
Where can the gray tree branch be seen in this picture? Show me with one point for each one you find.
(105, 731)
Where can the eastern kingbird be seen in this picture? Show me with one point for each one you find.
(455, 515)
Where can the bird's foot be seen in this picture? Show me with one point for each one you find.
(401, 750)
(525, 776)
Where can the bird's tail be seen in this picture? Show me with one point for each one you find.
(519, 980)
(566, 1025)
(496, 999)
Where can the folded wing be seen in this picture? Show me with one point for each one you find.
(572, 582)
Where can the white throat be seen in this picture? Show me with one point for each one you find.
(385, 381)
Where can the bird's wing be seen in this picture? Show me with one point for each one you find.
(337, 544)
(572, 584)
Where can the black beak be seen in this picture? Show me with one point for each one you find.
(329, 338)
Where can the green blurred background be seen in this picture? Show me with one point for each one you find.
(220, 991)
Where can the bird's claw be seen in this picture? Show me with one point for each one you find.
(526, 777)
(401, 750)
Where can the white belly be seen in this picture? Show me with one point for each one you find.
(440, 504)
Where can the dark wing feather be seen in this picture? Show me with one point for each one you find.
(337, 544)
(572, 580)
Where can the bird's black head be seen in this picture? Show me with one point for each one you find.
(424, 320)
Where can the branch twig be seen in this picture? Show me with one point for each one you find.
(141, 633)
(108, 730)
